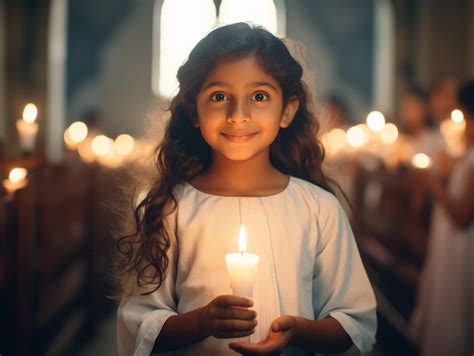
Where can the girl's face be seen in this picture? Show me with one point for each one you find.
(240, 110)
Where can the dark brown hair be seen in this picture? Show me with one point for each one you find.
(183, 154)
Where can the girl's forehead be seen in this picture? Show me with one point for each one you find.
(239, 71)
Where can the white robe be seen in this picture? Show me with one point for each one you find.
(309, 266)
(443, 320)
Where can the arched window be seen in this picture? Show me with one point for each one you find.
(182, 24)
(179, 24)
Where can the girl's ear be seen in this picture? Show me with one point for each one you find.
(289, 112)
(195, 121)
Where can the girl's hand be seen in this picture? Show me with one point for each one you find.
(282, 333)
(228, 316)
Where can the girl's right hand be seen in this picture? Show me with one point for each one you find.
(228, 316)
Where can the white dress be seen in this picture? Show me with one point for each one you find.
(443, 320)
(309, 266)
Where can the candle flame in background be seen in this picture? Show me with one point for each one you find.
(17, 174)
(375, 121)
(101, 145)
(242, 239)
(356, 136)
(389, 133)
(30, 112)
(421, 160)
(124, 144)
(457, 116)
(77, 131)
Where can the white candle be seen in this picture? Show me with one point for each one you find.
(242, 267)
(28, 128)
(16, 180)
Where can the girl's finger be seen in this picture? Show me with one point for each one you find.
(234, 324)
(235, 313)
(233, 301)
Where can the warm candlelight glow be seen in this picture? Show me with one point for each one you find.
(124, 144)
(421, 160)
(242, 267)
(30, 112)
(356, 136)
(85, 151)
(101, 145)
(77, 131)
(17, 174)
(27, 128)
(457, 116)
(389, 133)
(375, 121)
(242, 239)
(16, 180)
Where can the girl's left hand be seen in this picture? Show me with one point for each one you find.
(281, 333)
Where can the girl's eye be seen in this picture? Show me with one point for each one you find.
(219, 97)
(260, 96)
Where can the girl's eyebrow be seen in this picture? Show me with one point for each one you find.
(253, 84)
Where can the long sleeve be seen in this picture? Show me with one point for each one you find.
(341, 288)
(141, 318)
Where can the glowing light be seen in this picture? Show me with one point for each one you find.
(356, 136)
(389, 133)
(242, 239)
(101, 145)
(375, 121)
(30, 112)
(77, 131)
(457, 116)
(337, 139)
(421, 160)
(17, 174)
(124, 144)
(85, 151)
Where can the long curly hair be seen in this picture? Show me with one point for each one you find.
(183, 154)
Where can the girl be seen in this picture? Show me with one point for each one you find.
(240, 147)
(443, 320)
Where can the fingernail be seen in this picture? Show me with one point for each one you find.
(250, 303)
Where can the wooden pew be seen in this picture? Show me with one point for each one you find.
(391, 222)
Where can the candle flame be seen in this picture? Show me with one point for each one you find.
(421, 160)
(30, 112)
(457, 116)
(124, 144)
(77, 131)
(17, 174)
(242, 239)
(375, 121)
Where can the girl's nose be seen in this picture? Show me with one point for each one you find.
(238, 112)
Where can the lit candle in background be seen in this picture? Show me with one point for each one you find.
(28, 128)
(16, 180)
(421, 160)
(242, 267)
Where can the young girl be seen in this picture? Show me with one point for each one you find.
(240, 147)
(443, 321)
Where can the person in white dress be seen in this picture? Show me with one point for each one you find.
(443, 319)
(241, 148)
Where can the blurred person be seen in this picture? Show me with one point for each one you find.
(443, 320)
(442, 99)
(336, 110)
(419, 134)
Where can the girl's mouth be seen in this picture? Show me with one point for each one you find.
(239, 137)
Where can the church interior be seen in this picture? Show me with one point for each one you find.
(84, 93)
